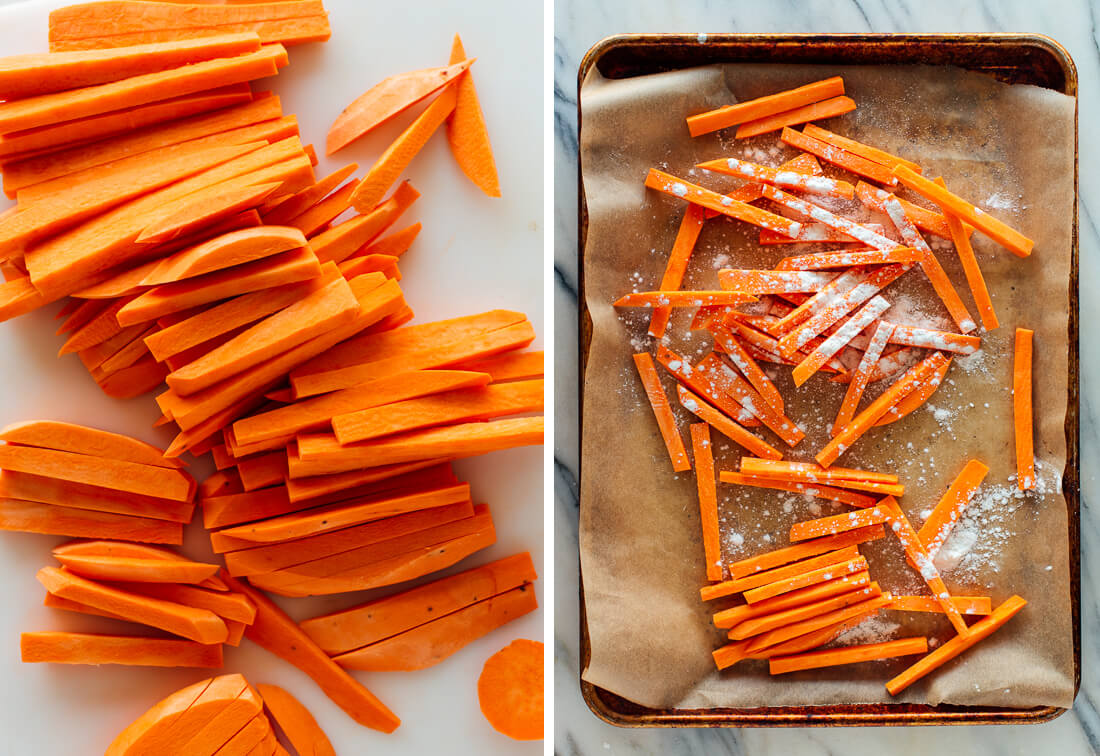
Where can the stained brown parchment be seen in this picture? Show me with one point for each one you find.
(1007, 148)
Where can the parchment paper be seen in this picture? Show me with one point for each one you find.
(1007, 148)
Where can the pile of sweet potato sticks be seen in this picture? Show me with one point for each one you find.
(195, 247)
(807, 313)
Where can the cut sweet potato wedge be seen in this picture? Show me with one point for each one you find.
(45, 109)
(381, 560)
(317, 412)
(218, 320)
(397, 157)
(65, 263)
(330, 307)
(190, 411)
(386, 344)
(450, 407)
(206, 209)
(172, 484)
(280, 212)
(284, 31)
(319, 454)
(384, 618)
(20, 175)
(237, 508)
(467, 134)
(234, 248)
(279, 634)
(246, 738)
(35, 517)
(86, 648)
(132, 569)
(225, 604)
(299, 726)
(288, 267)
(152, 726)
(246, 558)
(431, 643)
(22, 145)
(390, 571)
(91, 196)
(318, 216)
(390, 97)
(344, 240)
(220, 729)
(199, 625)
(344, 514)
(505, 339)
(222, 692)
(52, 434)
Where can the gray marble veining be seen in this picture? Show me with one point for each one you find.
(581, 23)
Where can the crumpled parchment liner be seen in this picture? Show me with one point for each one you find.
(1009, 148)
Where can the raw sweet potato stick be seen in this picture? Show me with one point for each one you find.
(690, 226)
(466, 132)
(1022, 411)
(708, 499)
(826, 109)
(398, 155)
(931, 266)
(731, 115)
(960, 643)
(698, 195)
(937, 526)
(839, 157)
(279, 634)
(1007, 237)
(961, 237)
(860, 379)
(386, 99)
(724, 425)
(848, 655)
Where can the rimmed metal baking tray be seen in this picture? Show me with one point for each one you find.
(1011, 58)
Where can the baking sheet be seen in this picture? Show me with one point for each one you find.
(1010, 149)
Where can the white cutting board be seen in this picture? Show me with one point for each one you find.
(474, 254)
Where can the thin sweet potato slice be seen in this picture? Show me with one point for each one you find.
(390, 97)
(510, 690)
(296, 722)
(62, 436)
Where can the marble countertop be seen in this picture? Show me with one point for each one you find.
(578, 25)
